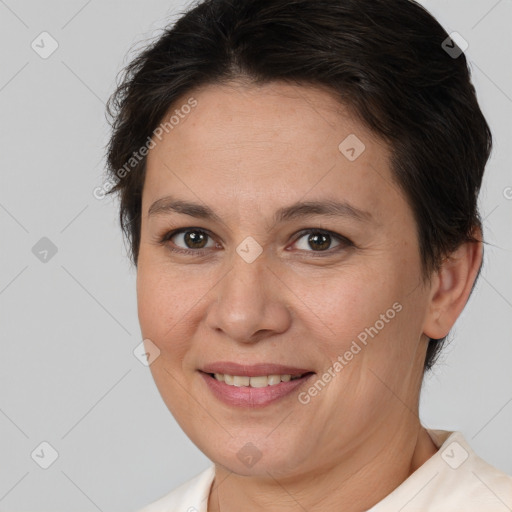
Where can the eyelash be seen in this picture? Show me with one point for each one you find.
(344, 241)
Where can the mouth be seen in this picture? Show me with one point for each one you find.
(252, 385)
(259, 381)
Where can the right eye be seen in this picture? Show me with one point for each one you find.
(193, 241)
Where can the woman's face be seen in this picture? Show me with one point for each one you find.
(267, 281)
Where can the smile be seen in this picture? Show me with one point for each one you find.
(253, 391)
(260, 381)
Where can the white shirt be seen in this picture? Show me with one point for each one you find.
(454, 479)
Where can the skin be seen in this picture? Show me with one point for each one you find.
(246, 151)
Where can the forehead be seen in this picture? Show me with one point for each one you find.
(256, 144)
(234, 115)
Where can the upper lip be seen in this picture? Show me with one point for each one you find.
(252, 370)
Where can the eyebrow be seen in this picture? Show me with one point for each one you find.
(331, 208)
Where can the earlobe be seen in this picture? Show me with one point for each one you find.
(451, 286)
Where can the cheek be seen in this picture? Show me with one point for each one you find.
(169, 303)
(342, 306)
(151, 300)
(158, 301)
(367, 316)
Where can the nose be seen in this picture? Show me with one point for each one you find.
(250, 304)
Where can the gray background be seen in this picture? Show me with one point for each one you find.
(68, 375)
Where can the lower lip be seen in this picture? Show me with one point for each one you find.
(246, 396)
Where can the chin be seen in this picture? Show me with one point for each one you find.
(256, 458)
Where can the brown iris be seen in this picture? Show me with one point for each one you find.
(321, 240)
(195, 239)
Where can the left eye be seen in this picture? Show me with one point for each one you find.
(320, 241)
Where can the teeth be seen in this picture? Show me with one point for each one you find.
(261, 381)
(272, 380)
(241, 381)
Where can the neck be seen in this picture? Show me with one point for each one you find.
(358, 482)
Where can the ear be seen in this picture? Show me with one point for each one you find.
(451, 286)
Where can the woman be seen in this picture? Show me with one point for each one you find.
(299, 184)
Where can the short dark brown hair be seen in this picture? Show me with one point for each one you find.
(386, 60)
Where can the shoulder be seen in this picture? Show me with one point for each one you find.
(453, 479)
(459, 464)
(192, 496)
